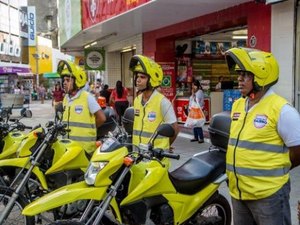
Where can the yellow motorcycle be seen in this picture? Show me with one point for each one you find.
(52, 163)
(136, 188)
(11, 134)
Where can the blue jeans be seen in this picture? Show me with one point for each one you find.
(198, 133)
(273, 210)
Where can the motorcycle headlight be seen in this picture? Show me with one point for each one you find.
(92, 171)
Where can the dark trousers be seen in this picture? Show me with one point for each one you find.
(198, 133)
(121, 106)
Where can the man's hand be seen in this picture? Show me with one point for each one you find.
(295, 156)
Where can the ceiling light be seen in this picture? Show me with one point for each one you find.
(94, 43)
(128, 48)
(239, 37)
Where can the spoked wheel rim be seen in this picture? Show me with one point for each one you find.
(212, 215)
(15, 217)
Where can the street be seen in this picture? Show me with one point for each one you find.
(42, 113)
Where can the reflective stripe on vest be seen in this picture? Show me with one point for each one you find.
(257, 159)
(85, 130)
(146, 120)
(258, 146)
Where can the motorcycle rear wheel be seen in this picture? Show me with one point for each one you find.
(15, 217)
(217, 211)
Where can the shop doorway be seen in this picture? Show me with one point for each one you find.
(126, 75)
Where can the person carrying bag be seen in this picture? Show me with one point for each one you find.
(196, 118)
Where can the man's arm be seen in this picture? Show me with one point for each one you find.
(100, 118)
(176, 129)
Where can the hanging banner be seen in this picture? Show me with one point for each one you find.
(96, 11)
(168, 88)
(31, 16)
(94, 59)
(69, 15)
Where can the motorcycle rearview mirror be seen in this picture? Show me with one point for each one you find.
(165, 130)
(26, 113)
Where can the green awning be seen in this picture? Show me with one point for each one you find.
(51, 75)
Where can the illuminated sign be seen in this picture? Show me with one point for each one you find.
(32, 26)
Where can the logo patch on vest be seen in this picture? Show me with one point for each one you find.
(260, 121)
(137, 112)
(78, 109)
(152, 116)
(236, 116)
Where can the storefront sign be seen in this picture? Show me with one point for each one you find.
(94, 59)
(95, 11)
(9, 48)
(168, 83)
(13, 70)
(32, 25)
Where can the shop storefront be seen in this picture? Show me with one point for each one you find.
(197, 47)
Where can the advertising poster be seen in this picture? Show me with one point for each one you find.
(168, 84)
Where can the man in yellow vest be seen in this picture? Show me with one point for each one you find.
(264, 142)
(151, 108)
(82, 113)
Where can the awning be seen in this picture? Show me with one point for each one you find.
(51, 75)
(14, 68)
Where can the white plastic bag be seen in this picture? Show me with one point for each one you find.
(196, 117)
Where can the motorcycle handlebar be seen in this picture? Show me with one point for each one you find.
(170, 155)
(162, 153)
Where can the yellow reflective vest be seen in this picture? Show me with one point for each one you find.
(257, 161)
(80, 121)
(146, 119)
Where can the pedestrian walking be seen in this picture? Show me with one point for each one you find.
(197, 96)
(42, 93)
(57, 97)
(119, 99)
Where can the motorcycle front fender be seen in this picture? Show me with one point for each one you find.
(10, 151)
(73, 158)
(23, 163)
(68, 194)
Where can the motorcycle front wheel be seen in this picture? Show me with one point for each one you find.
(217, 211)
(15, 217)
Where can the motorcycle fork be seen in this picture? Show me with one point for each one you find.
(17, 192)
(100, 210)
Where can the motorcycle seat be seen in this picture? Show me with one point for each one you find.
(198, 171)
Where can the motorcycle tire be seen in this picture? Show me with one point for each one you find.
(15, 217)
(66, 222)
(216, 211)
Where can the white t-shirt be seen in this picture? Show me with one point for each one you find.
(93, 104)
(199, 95)
(288, 125)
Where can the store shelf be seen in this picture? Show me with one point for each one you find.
(211, 69)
